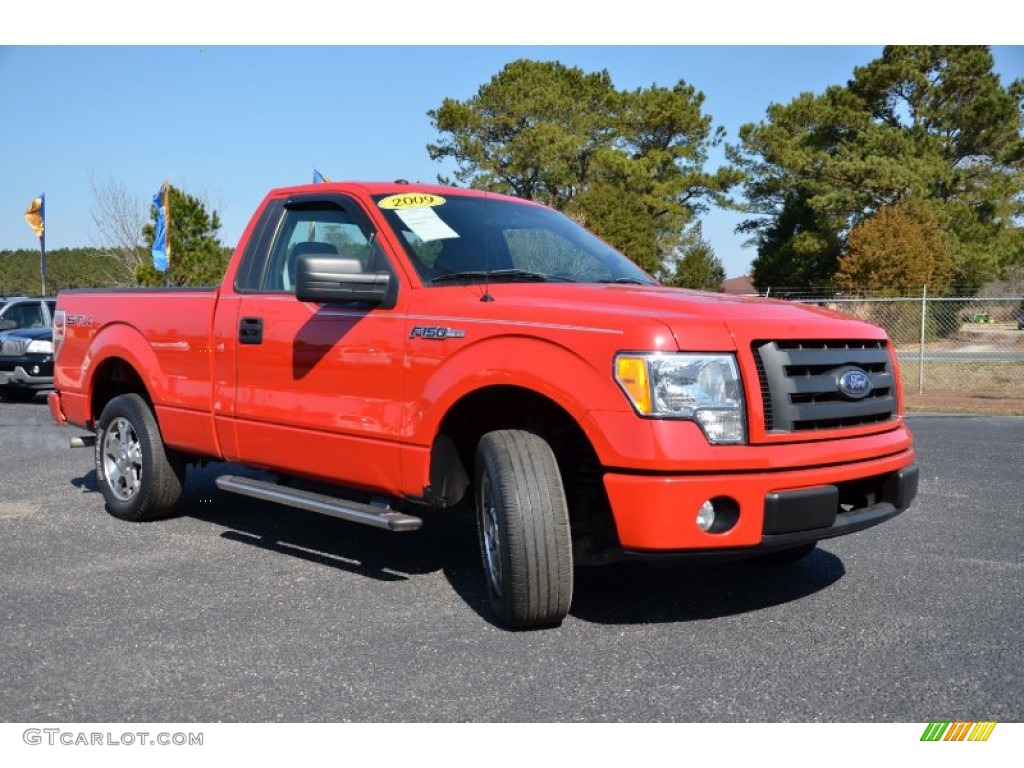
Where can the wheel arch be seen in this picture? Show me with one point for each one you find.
(112, 377)
(122, 354)
(512, 407)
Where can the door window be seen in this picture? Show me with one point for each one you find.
(325, 231)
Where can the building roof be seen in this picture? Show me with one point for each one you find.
(743, 285)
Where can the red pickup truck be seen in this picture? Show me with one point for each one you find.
(422, 348)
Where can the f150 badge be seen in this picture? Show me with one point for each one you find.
(435, 332)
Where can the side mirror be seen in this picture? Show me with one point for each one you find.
(332, 280)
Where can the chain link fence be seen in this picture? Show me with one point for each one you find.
(950, 349)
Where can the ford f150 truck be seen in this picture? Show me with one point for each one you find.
(422, 348)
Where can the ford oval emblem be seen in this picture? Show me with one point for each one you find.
(855, 384)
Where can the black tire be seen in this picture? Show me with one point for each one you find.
(523, 524)
(17, 394)
(787, 556)
(139, 477)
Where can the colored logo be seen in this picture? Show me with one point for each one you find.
(855, 383)
(958, 731)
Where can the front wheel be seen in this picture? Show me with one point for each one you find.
(139, 477)
(523, 524)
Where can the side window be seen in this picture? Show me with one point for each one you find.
(26, 314)
(326, 231)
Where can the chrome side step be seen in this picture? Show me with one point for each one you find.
(353, 511)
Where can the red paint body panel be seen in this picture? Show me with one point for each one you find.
(53, 403)
(153, 333)
(663, 445)
(353, 395)
(322, 395)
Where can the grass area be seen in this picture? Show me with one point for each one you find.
(965, 387)
(953, 403)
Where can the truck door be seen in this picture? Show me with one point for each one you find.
(318, 387)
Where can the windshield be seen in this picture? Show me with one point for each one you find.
(457, 239)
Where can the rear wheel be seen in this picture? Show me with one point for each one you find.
(523, 524)
(139, 477)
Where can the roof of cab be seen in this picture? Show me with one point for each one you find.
(373, 188)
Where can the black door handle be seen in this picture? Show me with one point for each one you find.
(251, 330)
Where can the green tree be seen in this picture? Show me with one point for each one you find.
(196, 255)
(895, 252)
(925, 122)
(948, 99)
(629, 165)
(696, 265)
(65, 268)
(797, 249)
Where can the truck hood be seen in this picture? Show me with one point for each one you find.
(28, 334)
(691, 315)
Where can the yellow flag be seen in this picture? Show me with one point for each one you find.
(34, 216)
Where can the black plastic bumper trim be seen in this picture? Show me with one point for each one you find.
(788, 511)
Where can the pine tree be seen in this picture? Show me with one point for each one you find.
(196, 255)
(629, 165)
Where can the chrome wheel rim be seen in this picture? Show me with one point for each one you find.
(122, 459)
(491, 535)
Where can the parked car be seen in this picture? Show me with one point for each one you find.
(26, 363)
(26, 312)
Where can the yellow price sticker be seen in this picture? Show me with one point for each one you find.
(411, 200)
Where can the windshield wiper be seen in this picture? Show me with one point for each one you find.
(630, 280)
(501, 274)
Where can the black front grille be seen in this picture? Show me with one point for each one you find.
(800, 384)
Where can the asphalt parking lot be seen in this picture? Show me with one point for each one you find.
(243, 611)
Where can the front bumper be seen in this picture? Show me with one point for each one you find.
(656, 515)
(16, 375)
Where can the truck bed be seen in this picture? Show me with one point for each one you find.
(164, 331)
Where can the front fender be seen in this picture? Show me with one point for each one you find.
(546, 367)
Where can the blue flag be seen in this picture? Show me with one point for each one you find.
(160, 238)
(318, 178)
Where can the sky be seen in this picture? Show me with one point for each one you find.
(229, 122)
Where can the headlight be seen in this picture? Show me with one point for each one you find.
(40, 347)
(704, 388)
